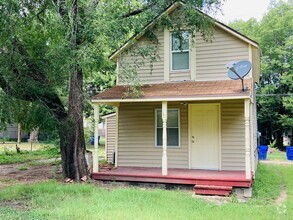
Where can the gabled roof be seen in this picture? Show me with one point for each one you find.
(179, 91)
(169, 10)
(109, 115)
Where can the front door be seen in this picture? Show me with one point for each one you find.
(205, 136)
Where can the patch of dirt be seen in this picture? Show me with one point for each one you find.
(276, 162)
(282, 196)
(10, 174)
(19, 205)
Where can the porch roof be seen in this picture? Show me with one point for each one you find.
(187, 90)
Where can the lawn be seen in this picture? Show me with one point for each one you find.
(102, 153)
(25, 146)
(275, 154)
(8, 154)
(54, 200)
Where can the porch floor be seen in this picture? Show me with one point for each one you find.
(175, 176)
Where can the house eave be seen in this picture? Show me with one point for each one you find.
(173, 99)
(108, 116)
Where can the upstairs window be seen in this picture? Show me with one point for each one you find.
(180, 51)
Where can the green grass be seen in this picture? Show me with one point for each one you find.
(53, 200)
(102, 153)
(24, 146)
(11, 157)
(276, 155)
(22, 168)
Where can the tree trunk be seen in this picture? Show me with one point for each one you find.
(71, 133)
(279, 140)
(34, 135)
(291, 138)
(72, 141)
(19, 134)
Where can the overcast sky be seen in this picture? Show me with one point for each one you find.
(242, 9)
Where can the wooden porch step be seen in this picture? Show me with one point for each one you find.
(212, 190)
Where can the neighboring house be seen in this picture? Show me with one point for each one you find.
(110, 137)
(193, 124)
(87, 124)
(11, 132)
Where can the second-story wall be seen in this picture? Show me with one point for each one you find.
(212, 58)
(208, 60)
(147, 71)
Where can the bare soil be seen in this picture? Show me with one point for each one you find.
(277, 162)
(282, 196)
(10, 174)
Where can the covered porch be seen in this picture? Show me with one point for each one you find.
(143, 157)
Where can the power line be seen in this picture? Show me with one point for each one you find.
(274, 94)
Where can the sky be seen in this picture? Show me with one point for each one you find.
(242, 9)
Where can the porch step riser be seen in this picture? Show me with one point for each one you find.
(212, 190)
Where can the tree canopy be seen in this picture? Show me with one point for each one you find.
(54, 56)
(274, 92)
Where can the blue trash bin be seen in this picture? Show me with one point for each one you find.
(289, 152)
(93, 139)
(262, 152)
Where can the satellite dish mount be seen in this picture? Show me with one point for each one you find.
(238, 70)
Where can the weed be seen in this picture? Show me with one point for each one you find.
(22, 168)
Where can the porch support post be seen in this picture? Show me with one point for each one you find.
(247, 138)
(164, 156)
(96, 138)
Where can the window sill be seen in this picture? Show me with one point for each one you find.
(180, 71)
(169, 147)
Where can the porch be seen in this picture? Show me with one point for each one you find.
(169, 132)
(205, 181)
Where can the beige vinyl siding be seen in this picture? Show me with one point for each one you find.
(136, 143)
(145, 73)
(180, 75)
(212, 58)
(255, 64)
(110, 137)
(233, 136)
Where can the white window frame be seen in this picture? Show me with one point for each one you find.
(156, 115)
(179, 51)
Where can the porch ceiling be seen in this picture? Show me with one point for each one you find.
(202, 90)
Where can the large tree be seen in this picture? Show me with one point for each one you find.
(49, 48)
(274, 92)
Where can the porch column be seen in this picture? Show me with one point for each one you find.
(247, 138)
(96, 138)
(164, 142)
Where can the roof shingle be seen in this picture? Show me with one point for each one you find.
(181, 90)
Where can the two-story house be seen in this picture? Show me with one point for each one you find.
(192, 124)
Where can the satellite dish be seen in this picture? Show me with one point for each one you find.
(238, 70)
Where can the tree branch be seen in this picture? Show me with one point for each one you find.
(35, 73)
(138, 11)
